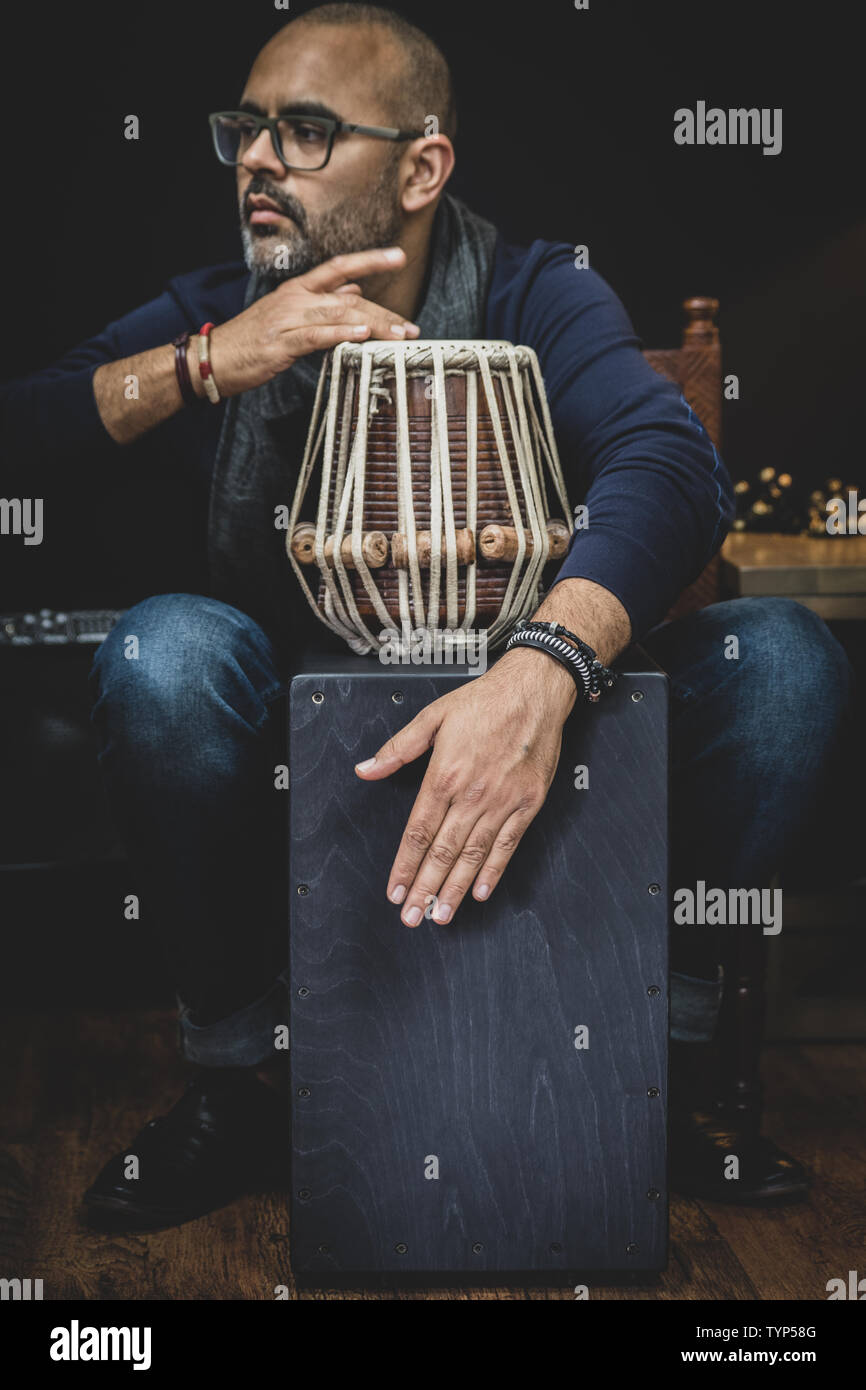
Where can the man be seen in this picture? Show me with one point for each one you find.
(349, 234)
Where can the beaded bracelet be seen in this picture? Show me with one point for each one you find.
(578, 658)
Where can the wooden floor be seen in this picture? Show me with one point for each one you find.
(76, 1086)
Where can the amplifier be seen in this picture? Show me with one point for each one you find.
(53, 628)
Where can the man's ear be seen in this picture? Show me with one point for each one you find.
(431, 161)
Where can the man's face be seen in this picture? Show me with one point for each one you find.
(353, 204)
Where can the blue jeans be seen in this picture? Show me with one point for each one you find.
(191, 729)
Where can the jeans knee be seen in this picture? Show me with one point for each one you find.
(795, 679)
(796, 648)
(171, 656)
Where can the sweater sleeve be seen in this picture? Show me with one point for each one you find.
(658, 497)
(49, 418)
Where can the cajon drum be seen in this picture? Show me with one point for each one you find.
(487, 1096)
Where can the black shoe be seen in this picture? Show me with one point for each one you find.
(702, 1147)
(228, 1134)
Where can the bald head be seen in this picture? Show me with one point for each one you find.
(401, 63)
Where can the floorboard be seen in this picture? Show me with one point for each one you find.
(76, 1084)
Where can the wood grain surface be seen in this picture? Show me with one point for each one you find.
(452, 1048)
(76, 1085)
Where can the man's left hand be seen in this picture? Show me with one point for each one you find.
(496, 743)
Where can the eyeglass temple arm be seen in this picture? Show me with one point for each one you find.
(387, 132)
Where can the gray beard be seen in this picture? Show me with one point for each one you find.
(356, 224)
(260, 254)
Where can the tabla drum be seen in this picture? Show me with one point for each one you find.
(430, 494)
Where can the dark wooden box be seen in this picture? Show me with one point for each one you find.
(452, 1049)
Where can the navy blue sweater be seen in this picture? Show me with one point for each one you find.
(658, 496)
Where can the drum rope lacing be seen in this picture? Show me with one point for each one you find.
(365, 368)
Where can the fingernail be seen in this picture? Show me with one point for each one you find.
(361, 328)
(398, 893)
(441, 912)
(394, 253)
(482, 890)
(413, 917)
(365, 766)
(398, 330)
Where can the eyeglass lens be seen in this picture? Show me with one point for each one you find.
(303, 142)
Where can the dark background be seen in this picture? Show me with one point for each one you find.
(566, 134)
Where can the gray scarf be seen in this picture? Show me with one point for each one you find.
(264, 431)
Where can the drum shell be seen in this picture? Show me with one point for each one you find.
(380, 511)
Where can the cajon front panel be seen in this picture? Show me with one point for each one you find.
(487, 1095)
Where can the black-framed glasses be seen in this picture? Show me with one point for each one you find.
(301, 142)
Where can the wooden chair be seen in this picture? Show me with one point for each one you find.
(696, 367)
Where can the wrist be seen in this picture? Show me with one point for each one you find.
(568, 650)
(232, 370)
(542, 672)
(192, 366)
(590, 610)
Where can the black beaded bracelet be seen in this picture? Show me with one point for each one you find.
(578, 658)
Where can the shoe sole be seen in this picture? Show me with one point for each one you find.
(762, 1197)
(114, 1213)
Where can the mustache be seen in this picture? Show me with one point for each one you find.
(284, 201)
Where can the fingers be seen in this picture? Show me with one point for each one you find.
(407, 744)
(431, 802)
(326, 336)
(345, 307)
(504, 844)
(422, 838)
(385, 324)
(353, 266)
(351, 326)
(462, 850)
(455, 851)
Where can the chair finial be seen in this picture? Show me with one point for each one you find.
(700, 326)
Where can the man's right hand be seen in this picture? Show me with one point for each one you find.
(309, 313)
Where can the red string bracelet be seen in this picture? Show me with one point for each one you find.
(204, 366)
